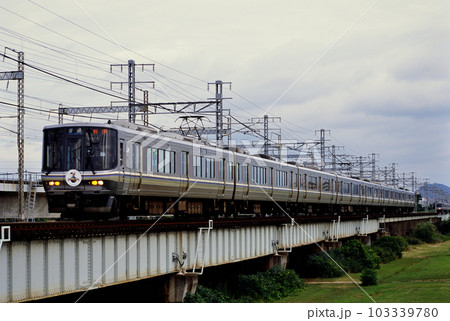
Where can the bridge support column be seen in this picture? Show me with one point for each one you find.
(178, 285)
(365, 239)
(328, 245)
(277, 259)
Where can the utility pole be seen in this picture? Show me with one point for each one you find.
(394, 177)
(266, 134)
(219, 110)
(334, 156)
(132, 85)
(322, 146)
(19, 76)
(266, 131)
(373, 155)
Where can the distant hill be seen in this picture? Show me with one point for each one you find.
(434, 191)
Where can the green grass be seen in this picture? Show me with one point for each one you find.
(421, 276)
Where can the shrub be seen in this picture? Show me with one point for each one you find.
(444, 227)
(425, 232)
(359, 257)
(412, 240)
(388, 248)
(369, 277)
(207, 295)
(271, 285)
(320, 265)
(386, 254)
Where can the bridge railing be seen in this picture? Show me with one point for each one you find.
(13, 178)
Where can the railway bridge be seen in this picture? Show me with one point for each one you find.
(39, 260)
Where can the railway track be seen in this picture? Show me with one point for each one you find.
(28, 231)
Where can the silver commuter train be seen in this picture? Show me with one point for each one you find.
(123, 169)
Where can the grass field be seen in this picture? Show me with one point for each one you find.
(421, 276)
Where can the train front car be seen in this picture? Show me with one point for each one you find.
(79, 162)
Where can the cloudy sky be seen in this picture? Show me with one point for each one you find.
(374, 73)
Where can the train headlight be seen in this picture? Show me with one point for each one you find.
(94, 183)
(51, 183)
(54, 183)
(57, 183)
(100, 182)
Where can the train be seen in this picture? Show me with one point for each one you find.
(121, 169)
(442, 208)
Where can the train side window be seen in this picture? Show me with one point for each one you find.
(303, 182)
(281, 178)
(204, 167)
(346, 188)
(355, 189)
(259, 175)
(326, 187)
(312, 183)
(245, 173)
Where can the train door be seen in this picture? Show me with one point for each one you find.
(184, 171)
(319, 187)
(332, 190)
(224, 177)
(305, 184)
(122, 164)
(291, 181)
(271, 181)
(246, 173)
(135, 168)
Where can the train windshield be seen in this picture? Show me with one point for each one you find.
(81, 148)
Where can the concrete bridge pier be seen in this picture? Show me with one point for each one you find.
(328, 245)
(178, 285)
(365, 239)
(280, 259)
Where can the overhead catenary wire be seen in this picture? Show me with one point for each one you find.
(159, 93)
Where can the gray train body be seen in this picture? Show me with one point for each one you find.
(124, 169)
